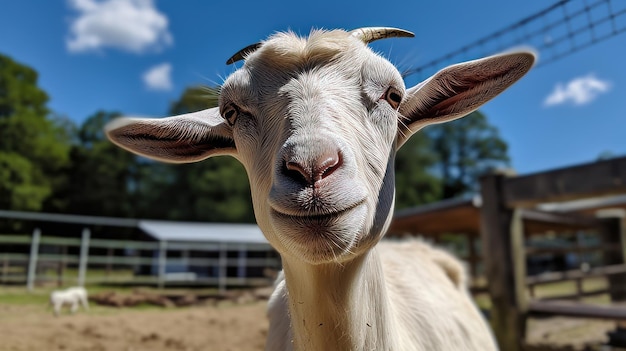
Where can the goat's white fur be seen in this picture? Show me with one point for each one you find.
(72, 297)
(314, 122)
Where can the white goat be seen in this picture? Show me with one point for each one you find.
(316, 122)
(71, 297)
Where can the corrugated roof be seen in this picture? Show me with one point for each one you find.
(158, 229)
(203, 232)
(69, 218)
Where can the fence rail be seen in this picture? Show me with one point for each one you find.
(30, 259)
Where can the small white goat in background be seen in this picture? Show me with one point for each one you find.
(316, 122)
(69, 297)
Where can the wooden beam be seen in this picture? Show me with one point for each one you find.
(604, 248)
(555, 277)
(507, 320)
(573, 220)
(607, 177)
(577, 309)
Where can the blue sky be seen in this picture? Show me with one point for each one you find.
(137, 56)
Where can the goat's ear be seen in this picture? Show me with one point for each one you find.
(180, 139)
(457, 90)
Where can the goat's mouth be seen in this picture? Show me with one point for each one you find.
(314, 216)
(321, 237)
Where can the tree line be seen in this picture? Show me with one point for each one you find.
(50, 163)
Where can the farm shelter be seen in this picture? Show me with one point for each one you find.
(73, 249)
(530, 231)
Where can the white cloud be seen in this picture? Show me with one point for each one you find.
(579, 91)
(159, 77)
(130, 25)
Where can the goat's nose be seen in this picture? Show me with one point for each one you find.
(314, 168)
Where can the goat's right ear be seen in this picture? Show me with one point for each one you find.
(180, 139)
(457, 90)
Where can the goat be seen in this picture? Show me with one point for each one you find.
(316, 121)
(70, 296)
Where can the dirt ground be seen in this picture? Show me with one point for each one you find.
(222, 327)
(575, 333)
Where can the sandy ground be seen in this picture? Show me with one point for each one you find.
(225, 327)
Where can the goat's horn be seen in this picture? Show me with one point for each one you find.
(369, 34)
(240, 55)
(366, 34)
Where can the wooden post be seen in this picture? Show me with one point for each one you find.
(621, 214)
(62, 266)
(222, 268)
(241, 263)
(473, 257)
(109, 260)
(5, 267)
(162, 262)
(623, 236)
(611, 234)
(32, 262)
(503, 265)
(518, 255)
(579, 281)
(185, 260)
(84, 256)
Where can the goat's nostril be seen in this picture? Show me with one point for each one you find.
(314, 170)
(298, 170)
(326, 167)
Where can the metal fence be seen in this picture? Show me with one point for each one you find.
(557, 31)
(35, 260)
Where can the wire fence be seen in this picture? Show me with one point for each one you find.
(36, 260)
(555, 32)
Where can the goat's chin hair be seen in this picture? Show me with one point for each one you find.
(319, 241)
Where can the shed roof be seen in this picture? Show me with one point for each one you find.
(462, 215)
(452, 215)
(158, 229)
(203, 232)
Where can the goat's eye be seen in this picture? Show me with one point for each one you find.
(230, 113)
(393, 97)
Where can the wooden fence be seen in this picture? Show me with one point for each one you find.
(507, 214)
(35, 259)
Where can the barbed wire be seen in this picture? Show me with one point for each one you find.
(555, 32)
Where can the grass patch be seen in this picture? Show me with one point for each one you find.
(14, 297)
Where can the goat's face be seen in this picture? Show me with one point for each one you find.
(316, 122)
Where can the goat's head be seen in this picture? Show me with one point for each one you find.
(316, 123)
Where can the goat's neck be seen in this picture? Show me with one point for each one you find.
(339, 307)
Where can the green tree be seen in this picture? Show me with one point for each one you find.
(33, 144)
(196, 98)
(215, 189)
(100, 176)
(415, 183)
(466, 149)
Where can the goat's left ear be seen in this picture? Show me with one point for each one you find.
(180, 139)
(457, 90)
